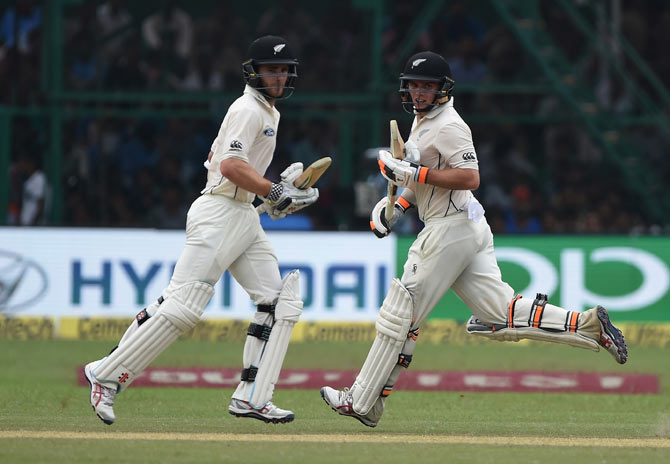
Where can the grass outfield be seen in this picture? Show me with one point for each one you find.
(45, 416)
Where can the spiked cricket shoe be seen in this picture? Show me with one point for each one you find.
(341, 402)
(102, 398)
(268, 413)
(611, 338)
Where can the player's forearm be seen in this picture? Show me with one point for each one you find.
(454, 179)
(244, 176)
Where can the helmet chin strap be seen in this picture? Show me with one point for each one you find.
(286, 92)
(437, 102)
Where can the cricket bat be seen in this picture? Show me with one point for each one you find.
(398, 152)
(308, 178)
(310, 175)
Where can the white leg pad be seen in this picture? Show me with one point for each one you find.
(404, 359)
(536, 320)
(254, 347)
(150, 311)
(393, 323)
(287, 313)
(176, 315)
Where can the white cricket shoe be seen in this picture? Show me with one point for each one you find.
(268, 413)
(611, 338)
(341, 402)
(102, 398)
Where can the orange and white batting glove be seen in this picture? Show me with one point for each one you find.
(401, 172)
(380, 227)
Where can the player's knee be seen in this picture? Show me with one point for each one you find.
(289, 303)
(184, 307)
(395, 315)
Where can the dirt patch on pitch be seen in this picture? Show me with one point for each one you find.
(345, 438)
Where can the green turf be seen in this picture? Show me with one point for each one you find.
(38, 391)
(109, 452)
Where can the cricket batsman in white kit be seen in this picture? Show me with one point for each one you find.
(223, 231)
(453, 251)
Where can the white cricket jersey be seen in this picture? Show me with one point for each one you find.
(248, 132)
(445, 141)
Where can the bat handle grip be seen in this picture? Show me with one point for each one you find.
(390, 201)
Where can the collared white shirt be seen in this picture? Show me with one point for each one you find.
(445, 141)
(248, 132)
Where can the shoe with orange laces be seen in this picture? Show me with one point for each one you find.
(102, 398)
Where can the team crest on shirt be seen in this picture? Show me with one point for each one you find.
(236, 145)
(269, 132)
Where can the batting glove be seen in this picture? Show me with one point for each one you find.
(400, 172)
(380, 227)
(412, 152)
(291, 173)
(284, 197)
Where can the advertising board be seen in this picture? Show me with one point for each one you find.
(112, 273)
(630, 276)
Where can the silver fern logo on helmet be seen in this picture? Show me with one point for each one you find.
(416, 63)
(278, 48)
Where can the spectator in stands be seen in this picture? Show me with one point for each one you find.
(459, 22)
(16, 179)
(169, 31)
(466, 66)
(35, 191)
(85, 69)
(170, 211)
(20, 29)
(19, 25)
(218, 35)
(136, 149)
(114, 21)
(522, 219)
(128, 71)
(202, 74)
(395, 30)
(560, 27)
(145, 193)
(339, 60)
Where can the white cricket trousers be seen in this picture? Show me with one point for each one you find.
(222, 233)
(456, 253)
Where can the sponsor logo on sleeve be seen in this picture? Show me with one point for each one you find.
(269, 132)
(236, 145)
(469, 156)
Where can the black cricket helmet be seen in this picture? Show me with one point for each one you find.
(426, 66)
(270, 49)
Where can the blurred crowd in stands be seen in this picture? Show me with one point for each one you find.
(121, 171)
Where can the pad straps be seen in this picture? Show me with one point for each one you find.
(537, 310)
(510, 312)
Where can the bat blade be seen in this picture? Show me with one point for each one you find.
(310, 175)
(398, 152)
(397, 143)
